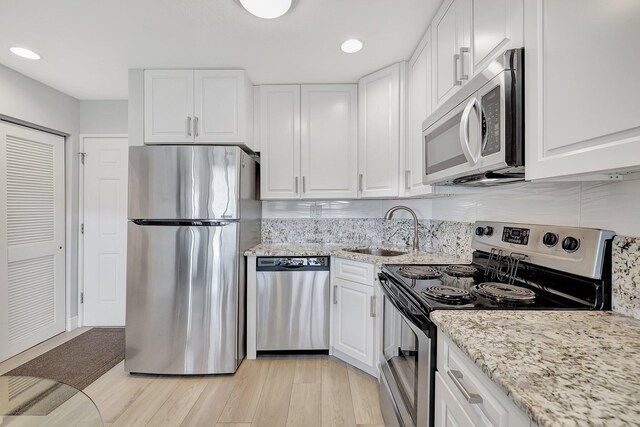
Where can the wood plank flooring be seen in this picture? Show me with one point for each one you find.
(288, 391)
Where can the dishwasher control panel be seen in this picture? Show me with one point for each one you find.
(268, 263)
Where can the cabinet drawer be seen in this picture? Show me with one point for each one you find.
(356, 271)
(481, 398)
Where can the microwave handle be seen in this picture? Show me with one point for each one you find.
(472, 158)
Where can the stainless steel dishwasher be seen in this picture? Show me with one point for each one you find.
(292, 303)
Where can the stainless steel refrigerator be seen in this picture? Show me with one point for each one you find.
(193, 210)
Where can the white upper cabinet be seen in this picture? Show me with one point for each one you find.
(329, 141)
(582, 109)
(168, 106)
(497, 25)
(419, 99)
(201, 106)
(451, 35)
(379, 133)
(223, 105)
(280, 141)
(467, 35)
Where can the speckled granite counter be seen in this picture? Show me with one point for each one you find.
(311, 249)
(563, 368)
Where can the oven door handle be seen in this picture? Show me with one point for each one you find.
(419, 323)
(472, 158)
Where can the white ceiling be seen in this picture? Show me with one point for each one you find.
(88, 45)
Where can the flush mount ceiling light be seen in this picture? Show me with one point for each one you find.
(267, 9)
(351, 46)
(25, 53)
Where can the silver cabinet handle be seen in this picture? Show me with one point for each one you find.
(304, 184)
(456, 81)
(372, 306)
(296, 184)
(335, 294)
(463, 76)
(189, 126)
(196, 130)
(456, 376)
(360, 178)
(407, 175)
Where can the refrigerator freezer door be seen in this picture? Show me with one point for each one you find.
(183, 300)
(183, 182)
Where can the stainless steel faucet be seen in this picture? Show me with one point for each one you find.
(389, 215)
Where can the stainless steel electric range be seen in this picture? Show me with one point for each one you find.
(514, 266)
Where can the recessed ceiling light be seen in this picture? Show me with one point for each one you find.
(351, 46)
(25, 53)
(267, 9)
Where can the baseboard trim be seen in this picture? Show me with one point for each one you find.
(72, 323)
(373, 371)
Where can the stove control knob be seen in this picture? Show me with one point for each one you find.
(479, 231)
(488, 230)
(570, 244)
(550, 239)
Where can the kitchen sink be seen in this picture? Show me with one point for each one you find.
(375, 251)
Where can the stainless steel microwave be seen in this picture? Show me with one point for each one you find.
(477, 136)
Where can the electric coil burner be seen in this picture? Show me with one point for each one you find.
(448, 295)
(419, 272)
(514, 267)
(505, 293)
(460, 270)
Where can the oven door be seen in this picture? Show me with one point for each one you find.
(406, 362)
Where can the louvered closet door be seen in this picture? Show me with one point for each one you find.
(32, 261)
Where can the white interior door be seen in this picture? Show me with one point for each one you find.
(105, 230)
(32, 238)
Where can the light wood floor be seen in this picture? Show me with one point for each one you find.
(309, 391)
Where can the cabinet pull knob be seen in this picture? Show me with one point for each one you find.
(463, 76)
(304, 184)
(372, 306)
(189, 126)
(456, 376)
(296, 184)
(335, 294)
(360, 178)
(196, 129)
(456, 81)
(407, 184)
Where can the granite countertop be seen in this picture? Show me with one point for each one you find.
(563, 368)
(316, 249)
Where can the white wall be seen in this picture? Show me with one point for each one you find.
(29, 101)
(104, 117)
(607, 205)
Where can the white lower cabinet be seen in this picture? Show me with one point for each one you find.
(448, 411)
(465, 396)
(354, 313)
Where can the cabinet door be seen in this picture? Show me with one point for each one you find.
(168, 106)
(419, 109)
(379, 138)
(497, 25)
(221, 106)
(448, 411)
(451, 34)
(329, 141)
(582, 109)
(280, 141)
(353, 323)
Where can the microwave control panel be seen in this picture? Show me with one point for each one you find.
(491, 121)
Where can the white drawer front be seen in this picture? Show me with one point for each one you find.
(361, 272)
(481, 398)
